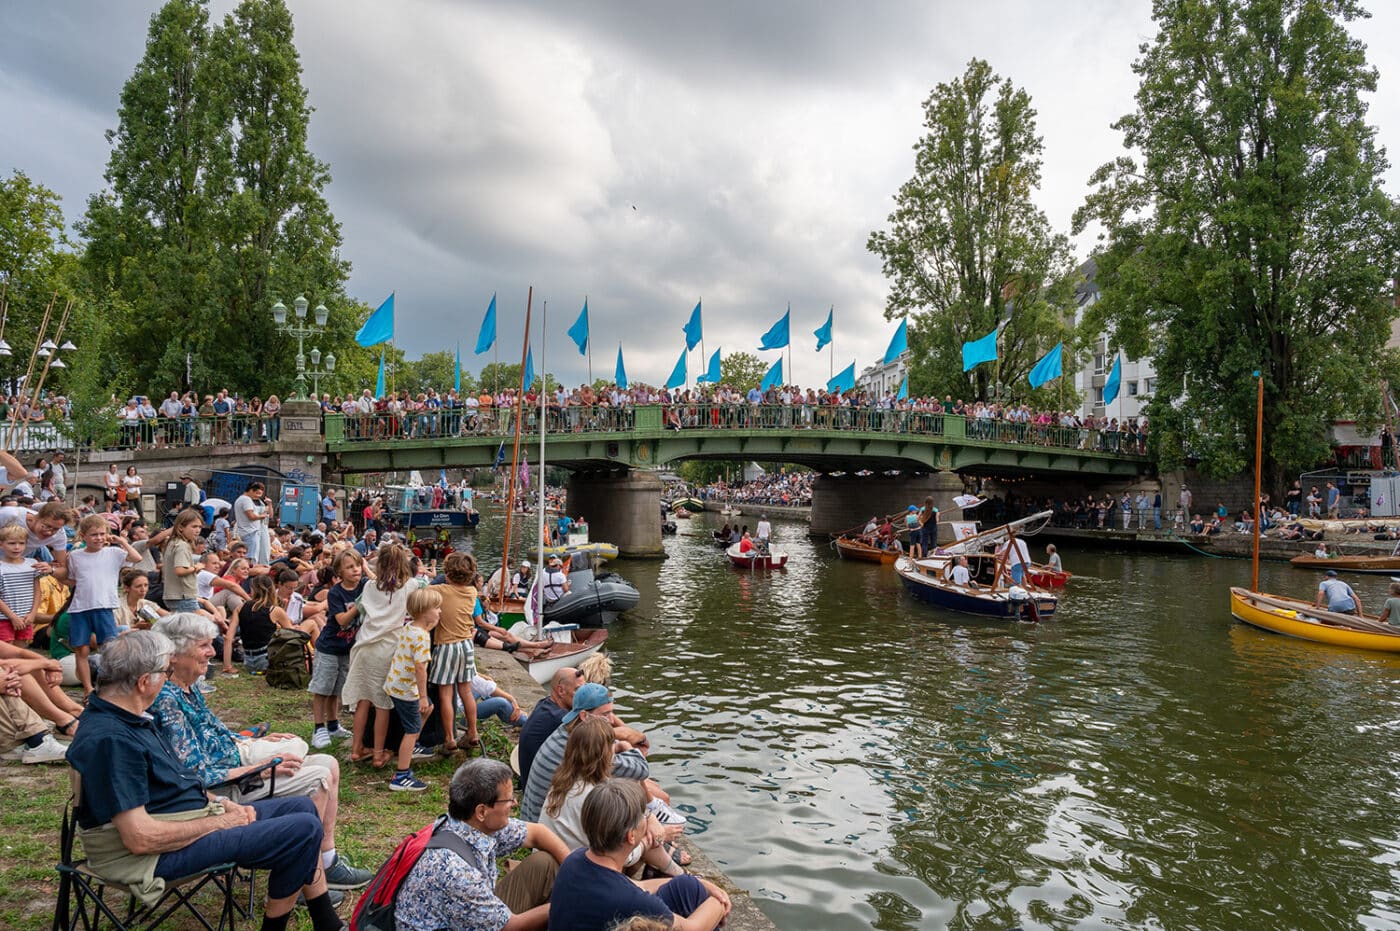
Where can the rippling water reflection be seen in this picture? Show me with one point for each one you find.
(859, 760)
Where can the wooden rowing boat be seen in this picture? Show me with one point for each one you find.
(931, 580)
(851, 548)
(1304, 621)
(1376, 565)
(753, 559)
(1045, 577)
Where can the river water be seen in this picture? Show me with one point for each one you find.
(857, 759)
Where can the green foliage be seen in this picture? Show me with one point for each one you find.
(742, 370)
(32, 259)
(507, 375)
(215, 210)
(699, 472)
(966, 246)
(433, 370)
(1247, 230)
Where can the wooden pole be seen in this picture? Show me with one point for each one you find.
(1258, 471)
(515, 453)
(48, 363)
(29, 372)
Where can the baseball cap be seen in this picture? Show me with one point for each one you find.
(589, 696)
(913, 507)
(1332, 573)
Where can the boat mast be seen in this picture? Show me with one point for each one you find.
(515, 455)
(1258, 469)
(544, 393)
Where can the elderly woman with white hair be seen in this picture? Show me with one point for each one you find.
(207, 746)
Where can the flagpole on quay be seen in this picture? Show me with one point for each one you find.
(515, 453)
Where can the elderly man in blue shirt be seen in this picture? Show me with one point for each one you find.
(164, 825)
(462, 889)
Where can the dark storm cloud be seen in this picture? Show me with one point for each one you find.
(485, 147)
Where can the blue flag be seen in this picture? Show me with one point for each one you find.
(823, 332)
(379, 382)
(711, 375)
(899, 342)
(620, 376)
(774, 376)
(379, 328)
(529, 368)
(980, 350)
(579, 331)
(777, 335)
(487, 337)
(457, 371)
(903, 390)
(1115, 378)
(693, 333)
(678, 375)
(500, 455)
(1048, 368)
(845, 379)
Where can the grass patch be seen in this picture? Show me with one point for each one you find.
(372, 819)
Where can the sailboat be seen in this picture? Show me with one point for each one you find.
(1294, 617)
(930, 579)
(569, 645)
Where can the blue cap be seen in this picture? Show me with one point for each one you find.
(589, 696)
(913, 507)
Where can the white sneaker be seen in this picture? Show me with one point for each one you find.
(50, 751)
(341, 733)
(321, 738)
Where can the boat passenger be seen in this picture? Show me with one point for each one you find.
(1339, 595)
(887, 537)
(1017, 556)
(1052, 558)
(1321, 552)
(928, 525)
(521, 581)
(1390, 614)
(556, 583)
(745, 544)
(961, 574)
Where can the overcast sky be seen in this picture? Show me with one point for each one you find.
(643, 154)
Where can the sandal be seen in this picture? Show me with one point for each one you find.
(473, 747)
(678, 856)
(66, 730)
(381, 759)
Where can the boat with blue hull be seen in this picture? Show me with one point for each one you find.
(989, 590)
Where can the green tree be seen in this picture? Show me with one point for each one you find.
(966, 247)
(32, 257)
(215, 209)
(433, 370)
(1247, 230)
(742, 370)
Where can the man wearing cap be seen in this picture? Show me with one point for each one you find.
(1339, 595)
(547, 715)
(60, 474)
(191, 495)
(591, 700)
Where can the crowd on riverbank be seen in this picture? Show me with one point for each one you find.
(774, 489)
(145, 624)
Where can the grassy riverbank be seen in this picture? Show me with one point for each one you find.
(372, 819)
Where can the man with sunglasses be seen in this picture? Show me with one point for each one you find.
(460, 886)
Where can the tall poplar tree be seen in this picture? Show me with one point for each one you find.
(215, 209)
(966, 247)
(1247, 230)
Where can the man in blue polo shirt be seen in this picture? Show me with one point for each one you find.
(166, 824)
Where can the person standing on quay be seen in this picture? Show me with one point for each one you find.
(250, 514)
(1184, 503)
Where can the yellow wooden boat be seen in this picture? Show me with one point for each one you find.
(1294, 618)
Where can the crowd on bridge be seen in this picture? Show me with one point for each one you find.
(144, 624)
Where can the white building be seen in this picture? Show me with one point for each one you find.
(884, 376)
(1137, 379)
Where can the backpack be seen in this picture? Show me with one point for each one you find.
(289, 659)
(375, 910)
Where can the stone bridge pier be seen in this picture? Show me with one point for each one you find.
(622, 507)
(842, 502)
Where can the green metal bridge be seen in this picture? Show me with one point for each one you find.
(824, 439)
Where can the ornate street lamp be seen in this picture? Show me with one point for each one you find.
(301, 329)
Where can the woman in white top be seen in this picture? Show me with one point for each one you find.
(131, 481)
(114, 481)
(587, 763)
(383, 605)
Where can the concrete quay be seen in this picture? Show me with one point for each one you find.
(745, 914)
(1231, 544)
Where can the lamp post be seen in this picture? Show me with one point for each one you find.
(316, 372)
(301, 329)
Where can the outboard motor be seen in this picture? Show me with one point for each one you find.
(1024, 604)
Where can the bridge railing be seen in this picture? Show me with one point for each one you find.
(381, 427)
(160, 433)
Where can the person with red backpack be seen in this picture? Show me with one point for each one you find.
(445, 875)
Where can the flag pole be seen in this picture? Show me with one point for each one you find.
(514, 455)
(704, 358)
(589, 345)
